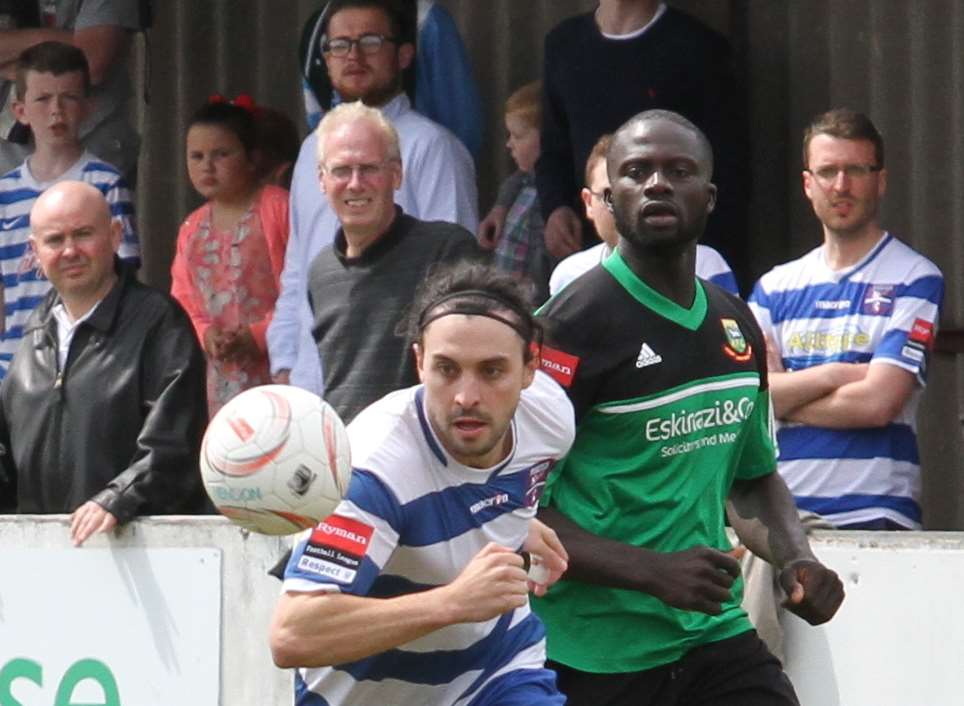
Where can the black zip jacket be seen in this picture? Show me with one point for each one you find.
(121, 424)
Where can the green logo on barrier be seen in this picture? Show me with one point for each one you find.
(82, 670)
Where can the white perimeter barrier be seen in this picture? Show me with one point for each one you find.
(176, 611)
(169, 610)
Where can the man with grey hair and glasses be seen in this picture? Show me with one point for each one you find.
(366, 53)
(360, 285)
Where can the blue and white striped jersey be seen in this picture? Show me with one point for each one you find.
(23, 283)
(883, 310)
(412, 519)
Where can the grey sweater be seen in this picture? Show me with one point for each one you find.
(357, 302)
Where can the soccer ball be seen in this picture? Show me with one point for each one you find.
(275, 459)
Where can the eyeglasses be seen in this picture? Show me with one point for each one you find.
(368, 44)
(829, 174)
(344, 172)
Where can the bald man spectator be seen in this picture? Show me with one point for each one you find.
(102, 410)
(103, 30)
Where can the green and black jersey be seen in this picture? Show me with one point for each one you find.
(671, 406)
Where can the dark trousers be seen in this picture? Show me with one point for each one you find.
(738, 671)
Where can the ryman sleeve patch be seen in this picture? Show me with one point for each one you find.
(922, 332)
(561, 366)
(336, 548)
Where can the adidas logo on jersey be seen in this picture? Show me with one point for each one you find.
(647, 356)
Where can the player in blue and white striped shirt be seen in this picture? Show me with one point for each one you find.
(52, 87)
(851, 325)
(413, 592)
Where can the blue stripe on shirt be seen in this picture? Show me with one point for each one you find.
(850, 503)
(122, 208)
(14, 280)
(96, 166)
(895, 441)
(445, 666)
(305, 696)
(801, 362)
(13, 250)
(892, 343)
(15, 222)
(14, 333)
(8, 198)
(930, 288)
(447, 513)
(791, 304)
(727, 281)
(27, 304)
(371, 495)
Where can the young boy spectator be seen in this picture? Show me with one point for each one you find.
(52, 90)
(514, 226)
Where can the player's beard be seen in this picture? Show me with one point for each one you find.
(469, 451)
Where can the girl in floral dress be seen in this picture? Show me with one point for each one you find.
(230, 251)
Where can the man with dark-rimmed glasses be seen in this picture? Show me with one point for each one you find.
(366, 53)
(850, 326)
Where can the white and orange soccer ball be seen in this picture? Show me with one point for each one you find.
(275, 459)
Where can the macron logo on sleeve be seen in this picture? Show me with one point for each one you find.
(560, 366)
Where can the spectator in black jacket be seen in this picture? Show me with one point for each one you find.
(103, 408)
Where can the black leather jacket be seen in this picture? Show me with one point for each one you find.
(121, 424)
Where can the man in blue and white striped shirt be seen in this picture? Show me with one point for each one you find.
(53, 84)
(851, 325)
(413, 590)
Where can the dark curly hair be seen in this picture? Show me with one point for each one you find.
(475, 290)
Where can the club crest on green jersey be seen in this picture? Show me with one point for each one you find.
(734, 336)
(736, 345)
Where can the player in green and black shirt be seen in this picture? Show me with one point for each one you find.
(668, 377)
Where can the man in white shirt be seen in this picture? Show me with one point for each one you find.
(365, 57)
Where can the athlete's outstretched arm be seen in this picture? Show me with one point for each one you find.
(699, 578)
(765, 519)
(321, 629)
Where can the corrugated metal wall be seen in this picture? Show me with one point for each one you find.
(898, 60)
